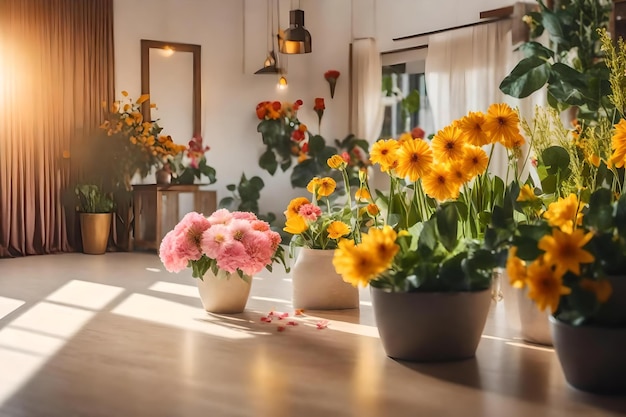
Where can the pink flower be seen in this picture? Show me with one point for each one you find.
(182, 244)
(221, 216)
(234, 242)
(310, 211)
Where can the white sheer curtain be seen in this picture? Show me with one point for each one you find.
(464, 68)
(367, 109)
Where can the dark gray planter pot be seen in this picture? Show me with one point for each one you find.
(592, 358)
(427, 327)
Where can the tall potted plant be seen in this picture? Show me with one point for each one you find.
(430, 279)
(95, 207)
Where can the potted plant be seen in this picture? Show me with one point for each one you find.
(429, 277)
(316, 226)
(224, 251)
(95, 207)
(566, 238)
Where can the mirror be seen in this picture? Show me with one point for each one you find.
(171, 74)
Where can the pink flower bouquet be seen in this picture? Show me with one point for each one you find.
(234, 242)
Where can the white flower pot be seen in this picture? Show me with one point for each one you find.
(223, 293)
(316, 285)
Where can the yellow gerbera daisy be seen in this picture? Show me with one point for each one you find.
(312, 185)
(337, 229)
(381, 244)
(516, 269)
(448, 144)
(475, 160)
(471, 127)
(459, 174)
(565, 212)
(384, 153)
(440, 184)
(294, 206)
(356, 264)
(295, 225)
(414, 159)
(565, 250)
(618, 144)
(545, 285)
(501, 123)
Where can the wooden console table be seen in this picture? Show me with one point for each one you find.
(156, 208)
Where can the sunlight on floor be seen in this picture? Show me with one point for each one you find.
(177, 289)
(32, 338)
(8, 305)
(89, 295)
(174, 314)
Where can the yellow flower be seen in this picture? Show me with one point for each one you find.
(336, 162)
(459, 174)
(362, 194)
(384, 153)
(358, 265)
(414, 159)
(471, 127)
(302, 157)
(565, 213)
(125, 93)
(326, 186)
(501, 123)
(526, 193)
(565, 250)
(618, 144)
(448, 144)
(294, 206)
(312, 185)
(602, 289)
(440, 183)
(337, 229)
(545, 285)
(516, 269)
(143, 98)
(295, 225)
(475, 160)
(373, 210)
(594, 160)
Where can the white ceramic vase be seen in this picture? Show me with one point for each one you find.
(224, 293)
(523, 315)
(316, 284)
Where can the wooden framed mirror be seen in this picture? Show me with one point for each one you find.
(180, 90)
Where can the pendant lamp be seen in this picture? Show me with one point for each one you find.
(296, 39)
(270, 66)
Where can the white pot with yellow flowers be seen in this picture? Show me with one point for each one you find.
(317, 224)
(429, 275)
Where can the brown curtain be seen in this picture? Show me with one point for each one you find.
(56, 68)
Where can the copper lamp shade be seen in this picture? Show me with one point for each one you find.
(297, 39)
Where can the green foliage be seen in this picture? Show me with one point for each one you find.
(436, 257)
(91, 199)
(571, 65)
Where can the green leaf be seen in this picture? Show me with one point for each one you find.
(451, 273)
(528, 76)
(530, 49)
(267, 161)
(447, 224)
(428, 238)
(600, 213)
(620, 215)
(316, 144)
(303, 173)
(231, 187)
(556, 159)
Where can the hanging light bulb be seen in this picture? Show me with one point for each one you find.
(282, 82)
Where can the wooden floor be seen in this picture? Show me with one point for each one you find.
(116, 335)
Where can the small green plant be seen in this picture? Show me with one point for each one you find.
(91, 199)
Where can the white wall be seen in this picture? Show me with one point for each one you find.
(232, 51)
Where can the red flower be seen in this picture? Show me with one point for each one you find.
(346, 157)
(297, 135)
(297, 104)
(305, 148)
(417, 133)
(332, 74)
(276, 105)
(261, 109)
(319, 105)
